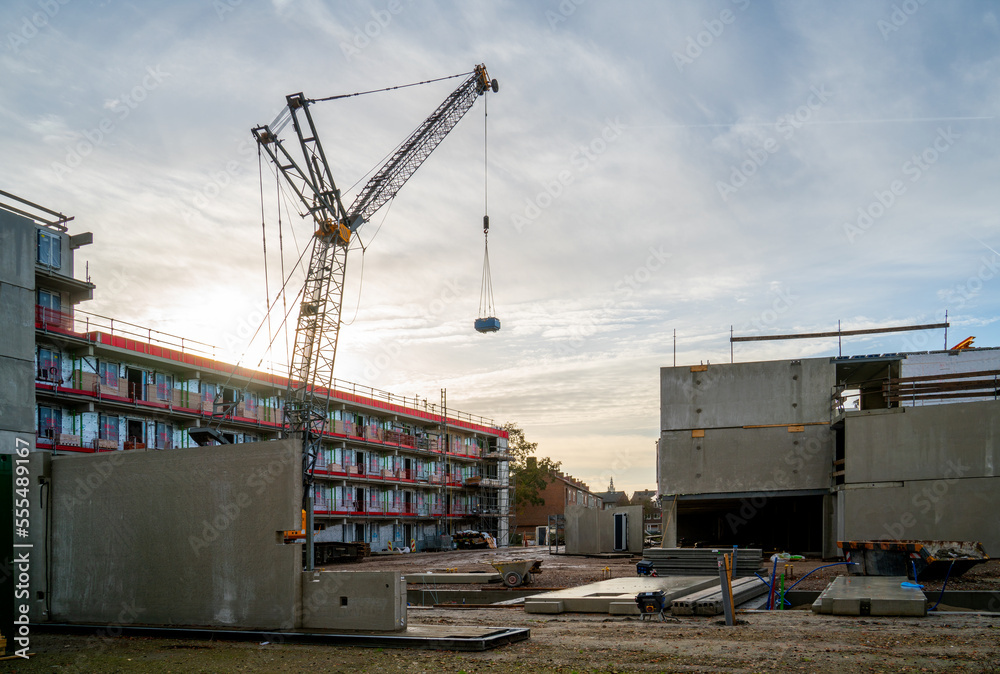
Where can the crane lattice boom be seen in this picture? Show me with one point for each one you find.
(318, 325)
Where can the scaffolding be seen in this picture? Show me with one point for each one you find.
(496, 510)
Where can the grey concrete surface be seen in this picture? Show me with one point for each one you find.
(871, 595)
(17, 329)
(178, 537)
(963, 509)
(960, 440)
(17, 397)
(17, 250)
(17, 322)
(728, 460)
(741, 394)
(345, 600)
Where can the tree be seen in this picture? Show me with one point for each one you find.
(529, 474)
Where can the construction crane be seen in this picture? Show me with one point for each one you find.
(306, 408)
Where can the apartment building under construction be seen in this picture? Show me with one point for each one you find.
(392, 472)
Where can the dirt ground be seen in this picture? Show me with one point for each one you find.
(780, 641)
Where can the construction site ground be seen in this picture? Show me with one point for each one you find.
(782, 641)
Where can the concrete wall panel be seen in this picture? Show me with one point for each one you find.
(17, 395)
(17, 250)
(745, 460)
(938, 509)
(745, 394)
(181, 537)
(920, 443)
(17, 318)
(346, 600)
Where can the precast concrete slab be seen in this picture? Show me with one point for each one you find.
(427, 637)
(709, 601)
(432, 578)
(871, 595)
(615, 596)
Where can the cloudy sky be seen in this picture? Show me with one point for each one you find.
(685, 166)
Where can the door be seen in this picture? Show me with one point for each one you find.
(621, 531)
(135, 436)
(136, 379)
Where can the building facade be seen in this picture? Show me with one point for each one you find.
(798, 454)
(392, 472)
(560, 491)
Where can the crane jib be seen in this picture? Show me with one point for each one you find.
(310, 177)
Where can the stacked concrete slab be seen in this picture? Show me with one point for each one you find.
(709, 600)
(871, 595)
(700, 561)
(616, 596)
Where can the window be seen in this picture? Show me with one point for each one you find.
(49, 249)
(49, 365)
(49, 308)
(164, 386)
(49, 299)
(108, 428)
(164, 435)
(49, 422)
(250, 404)
(108, 374)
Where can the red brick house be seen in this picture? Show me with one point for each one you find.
(561, 490)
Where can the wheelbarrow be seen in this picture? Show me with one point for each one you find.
(517, 571)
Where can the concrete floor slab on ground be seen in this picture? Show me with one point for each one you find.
(616, 596)
(871, 595)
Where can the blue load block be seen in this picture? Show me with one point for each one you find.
(490, 324)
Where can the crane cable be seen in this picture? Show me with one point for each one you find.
(263, 229)
(377, 91)
(486, 308)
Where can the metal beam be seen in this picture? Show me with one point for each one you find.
(841, 333)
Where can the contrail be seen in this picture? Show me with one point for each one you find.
(818, 122)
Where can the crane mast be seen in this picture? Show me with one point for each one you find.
(317, 329)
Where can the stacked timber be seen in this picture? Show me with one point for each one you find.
(700, 561)
(709, 601)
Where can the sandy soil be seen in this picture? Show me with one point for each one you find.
(781, 641)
